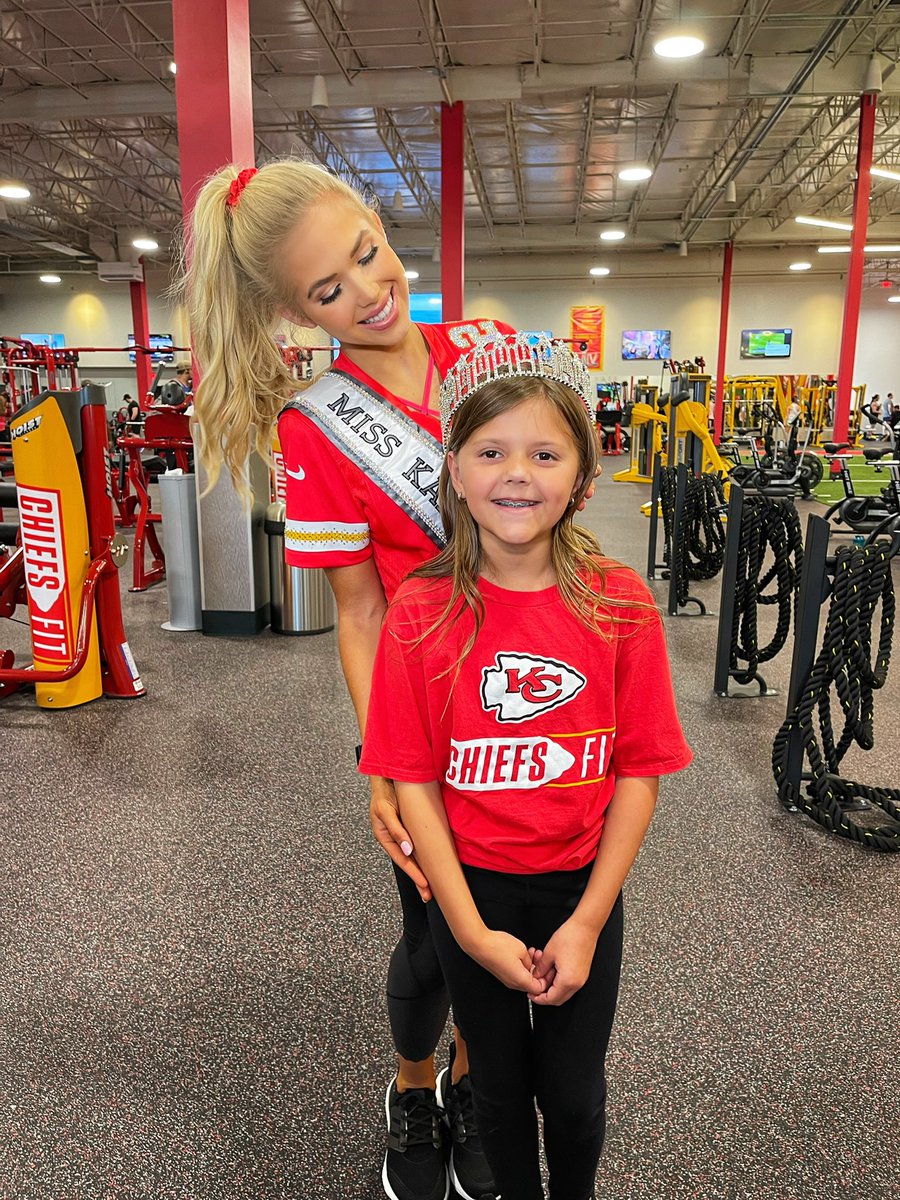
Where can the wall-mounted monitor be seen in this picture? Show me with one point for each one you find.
(646, 344)
(765, 343)
(55, 340)
(425, 307)
(161, 346)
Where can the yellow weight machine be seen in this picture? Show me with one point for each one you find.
(647, 424)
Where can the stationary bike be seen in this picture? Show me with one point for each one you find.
(863, 514)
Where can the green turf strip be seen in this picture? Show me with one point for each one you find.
(866, 482)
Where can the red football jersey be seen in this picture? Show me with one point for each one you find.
(528, 738)
(336, 514)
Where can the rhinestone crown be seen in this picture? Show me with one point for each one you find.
(504, 355)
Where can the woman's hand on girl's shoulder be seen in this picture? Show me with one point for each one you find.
(508, 959)
(565, 962)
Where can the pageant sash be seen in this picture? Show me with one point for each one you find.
(403, 459)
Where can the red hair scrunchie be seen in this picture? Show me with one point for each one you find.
(238, 185)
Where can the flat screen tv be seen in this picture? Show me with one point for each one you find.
(765, 343)
(161, 346)
(646, 343)
(55, 340)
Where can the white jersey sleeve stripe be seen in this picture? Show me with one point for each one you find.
(324, 537)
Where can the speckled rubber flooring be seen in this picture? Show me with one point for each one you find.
(194, 927)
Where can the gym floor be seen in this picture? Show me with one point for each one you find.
(195, 927)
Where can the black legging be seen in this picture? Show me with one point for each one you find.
(417, 997)
(519, 1053)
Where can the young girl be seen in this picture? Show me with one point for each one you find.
(537, 714)
(362, 457)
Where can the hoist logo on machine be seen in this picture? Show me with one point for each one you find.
(28, 426)
(45, 573)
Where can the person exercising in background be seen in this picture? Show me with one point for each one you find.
(183, 376)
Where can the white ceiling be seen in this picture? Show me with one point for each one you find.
(558, 93)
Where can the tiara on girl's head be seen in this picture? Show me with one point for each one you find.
(506, 355)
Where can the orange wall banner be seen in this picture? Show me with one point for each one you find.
(587, 326)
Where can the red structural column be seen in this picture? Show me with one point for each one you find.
(213, 90)
(453, 273)
(719, 409)
(853, 290)
(141, 323)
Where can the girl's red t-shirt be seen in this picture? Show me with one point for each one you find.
(527, 740)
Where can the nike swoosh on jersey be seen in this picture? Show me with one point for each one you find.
(298, 474)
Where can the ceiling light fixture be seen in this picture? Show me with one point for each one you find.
(800, 266)
(411, 274)
(635, 173)
(893, 299)
(731, 192)
(886, 249)
(612, 235)
(51, 279)
(679, 45)
(397, 202)
(319, 92)
(173, 67)
(844, 225)
(14, 191)
(884, 173)
(599, 271)
(682, 249)
(145, 243)
(874, 83)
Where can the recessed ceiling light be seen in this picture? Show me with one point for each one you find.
(411, 274)
(679, 45)
(635, 173)
(893, 299)
(599, 271)
(14, 191)
(145, 243)
(884, 173)
(886, 249)
(612, 235)
(800, 266)
(51, 279)
(845, 225)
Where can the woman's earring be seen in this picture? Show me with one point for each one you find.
(460, 497)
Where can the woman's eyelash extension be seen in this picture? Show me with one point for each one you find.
(330, 299)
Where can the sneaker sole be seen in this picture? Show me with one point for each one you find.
(439, 1097)
(388, 1190)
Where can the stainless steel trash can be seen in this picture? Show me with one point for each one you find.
(301, 598)
(181, 543)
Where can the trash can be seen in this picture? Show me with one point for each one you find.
(181, 543)
(301, 598)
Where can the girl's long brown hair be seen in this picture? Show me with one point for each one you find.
(580, 567)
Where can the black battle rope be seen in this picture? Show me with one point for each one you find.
(862, 580)
(773, 527)
(701, 527)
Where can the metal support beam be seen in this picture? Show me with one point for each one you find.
(453, 271)
(408, 165)
(141, 322)
(666, 128)
(853, 293)
(719, 410)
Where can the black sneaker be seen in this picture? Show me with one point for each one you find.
(469, 1170)
(414, 1163)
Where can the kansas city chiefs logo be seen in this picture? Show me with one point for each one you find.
(520, 686)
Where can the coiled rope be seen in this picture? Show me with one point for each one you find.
(767, 527)
(701, 528)
(862, 582)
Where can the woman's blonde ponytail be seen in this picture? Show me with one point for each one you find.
(235, 298)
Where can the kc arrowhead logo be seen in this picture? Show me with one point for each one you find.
(520, 686)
